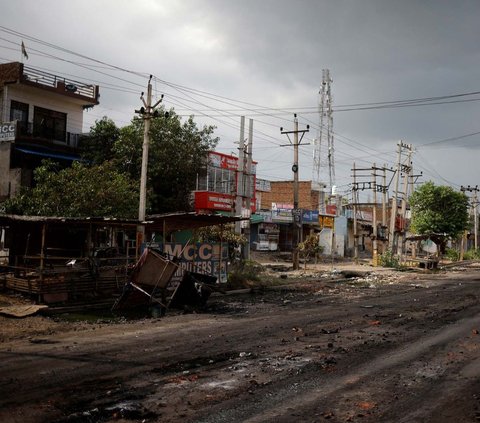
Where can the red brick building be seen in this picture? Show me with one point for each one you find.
(282, 192)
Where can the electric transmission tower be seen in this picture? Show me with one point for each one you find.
(324, 141)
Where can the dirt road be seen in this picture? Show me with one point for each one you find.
(315, 351)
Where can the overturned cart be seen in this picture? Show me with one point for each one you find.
(150, 282)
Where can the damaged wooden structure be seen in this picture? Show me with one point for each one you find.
(151, 280)
(58, 259)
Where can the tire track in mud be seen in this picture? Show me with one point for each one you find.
(131, 358)
(280, 404)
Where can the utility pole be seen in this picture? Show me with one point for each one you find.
(240, 184)
(297, 215)
(248, 188)
(475, 222)
(406, 169)
(354, 198)
(147, 111)
(473, 208)
(374, 217)
(407, 172)
(393, 214)
(370, 184)
(384, 196)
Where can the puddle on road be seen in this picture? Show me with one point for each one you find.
(228, 384)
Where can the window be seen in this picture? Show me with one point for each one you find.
(49, 124)
(221, 180)
(19, 112)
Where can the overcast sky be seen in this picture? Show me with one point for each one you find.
(219, 59)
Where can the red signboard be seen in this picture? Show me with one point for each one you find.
(205, 200)
(331, 209)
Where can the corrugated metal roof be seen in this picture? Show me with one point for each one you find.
(171, 221)
(187, 220)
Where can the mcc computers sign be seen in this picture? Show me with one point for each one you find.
(7, 131)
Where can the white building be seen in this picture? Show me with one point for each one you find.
(46, 112)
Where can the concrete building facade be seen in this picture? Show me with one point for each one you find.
(46, 112)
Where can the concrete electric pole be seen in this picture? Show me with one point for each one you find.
(147, 111)
(240, 174)
(248, 188)
(473, 207)
(406, 168)
(297, 215)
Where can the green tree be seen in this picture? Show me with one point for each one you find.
(77, 191)
(177, 153)
(97, 146)
(439, 210)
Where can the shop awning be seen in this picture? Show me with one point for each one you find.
(49, 154)
(256, 219)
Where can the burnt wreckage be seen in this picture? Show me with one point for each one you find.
(74, 260)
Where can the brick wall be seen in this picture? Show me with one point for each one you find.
(282, 192)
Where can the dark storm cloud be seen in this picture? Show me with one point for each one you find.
(272, 53)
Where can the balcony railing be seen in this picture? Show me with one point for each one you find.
(54, 81)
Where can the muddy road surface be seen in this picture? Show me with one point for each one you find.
(313, 351)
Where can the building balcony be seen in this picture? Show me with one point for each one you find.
(16, 72)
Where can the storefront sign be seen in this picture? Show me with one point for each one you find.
(263, 185)
(224, 161)
(7, 131)
(282, 216)
(310, 216)
(331, 209)
(205, 200)
(282, 206)
(207, 258)
(326, 221)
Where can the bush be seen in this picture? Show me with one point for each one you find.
(452, 254)
(472, 254)
(388, 259)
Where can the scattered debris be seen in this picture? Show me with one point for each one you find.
(21, 310)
